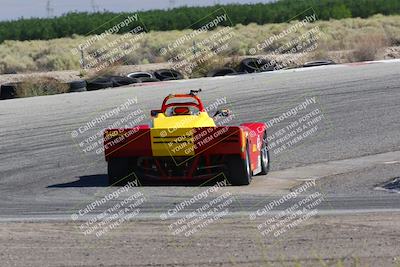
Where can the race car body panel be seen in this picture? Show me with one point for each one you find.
(184, 143)
(183, 121)
(178, 143)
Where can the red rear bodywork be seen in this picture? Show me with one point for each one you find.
(187, 153)
(211, 146)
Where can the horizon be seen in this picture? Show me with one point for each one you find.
(17, 9)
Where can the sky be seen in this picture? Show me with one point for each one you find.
(14, 9)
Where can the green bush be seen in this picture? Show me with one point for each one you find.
(193, 17)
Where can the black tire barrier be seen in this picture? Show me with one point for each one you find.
(10, 72)
(169, 79)
(78, 90)
(8, 91)
(221, 72)
(118, 81)
(316, 63)
(168, 75)
(252, 65)
(147, 80)
(77, 86)
(99, 83)
(140, 74)
(237, 73)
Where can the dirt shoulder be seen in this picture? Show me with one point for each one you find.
(350, 240)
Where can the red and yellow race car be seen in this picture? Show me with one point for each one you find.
(184, 143)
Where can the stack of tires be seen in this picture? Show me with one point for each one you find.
(118, 81)
(143, 77)
(8, 91)
(222, 72)
(104, 82)
(247, 65)
(99, 83)
(77, 86)
(156, 76)
(252, 65)
(168, 75)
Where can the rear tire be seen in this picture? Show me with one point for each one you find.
(239, 170)
(264, 155)
(121, 171)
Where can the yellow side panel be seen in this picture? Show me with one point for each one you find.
(255, 148)
(184, 121)
(172, 142)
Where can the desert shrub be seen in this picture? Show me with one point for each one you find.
(367, 47)
(107, 71)
(392, 33)
(40, 86)
(203, 66)
(233, 62)
(57, 62)
(319, 54)
(344, 34)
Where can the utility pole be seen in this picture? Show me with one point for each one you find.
(95, 7)
(49, 9)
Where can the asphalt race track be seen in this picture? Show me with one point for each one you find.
(45, 174)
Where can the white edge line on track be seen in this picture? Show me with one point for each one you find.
(152, 216)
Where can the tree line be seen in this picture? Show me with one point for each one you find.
(193, 17)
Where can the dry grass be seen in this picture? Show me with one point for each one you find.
(203, 67)
(367, 47)
(346, 34)
(41, 86)
(92, 74)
